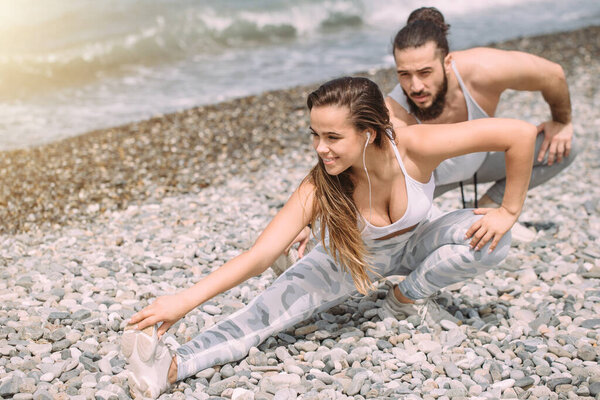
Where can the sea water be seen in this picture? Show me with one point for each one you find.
(71, 66)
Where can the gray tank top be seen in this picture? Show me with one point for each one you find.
(458, 168)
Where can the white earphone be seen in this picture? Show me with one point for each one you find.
(367, 173)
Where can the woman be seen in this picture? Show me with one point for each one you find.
(370, 193)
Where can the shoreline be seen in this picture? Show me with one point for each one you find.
(80, 177)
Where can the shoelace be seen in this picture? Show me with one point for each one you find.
(169, 341)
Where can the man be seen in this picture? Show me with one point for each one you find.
(439, 87)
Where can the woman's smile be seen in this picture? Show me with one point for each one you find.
(329, 160)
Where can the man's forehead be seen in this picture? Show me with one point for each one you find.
(417, 58)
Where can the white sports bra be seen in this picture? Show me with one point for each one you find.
(419, 197)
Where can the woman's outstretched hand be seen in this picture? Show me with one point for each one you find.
(165, 309)
(494, 224)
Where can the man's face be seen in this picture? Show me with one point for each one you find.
(423, 79)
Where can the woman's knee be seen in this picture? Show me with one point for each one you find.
(495, 257)
(461, 221)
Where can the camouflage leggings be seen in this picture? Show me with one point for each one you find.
(432, 256)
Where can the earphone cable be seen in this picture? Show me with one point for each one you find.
(368, 179)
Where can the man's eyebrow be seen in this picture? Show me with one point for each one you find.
(418, 70)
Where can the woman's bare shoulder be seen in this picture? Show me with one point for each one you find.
(405, 136)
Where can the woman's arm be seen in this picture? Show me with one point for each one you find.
(288, 222)
(431, 144)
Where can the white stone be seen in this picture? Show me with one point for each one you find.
(242, 394)
(505, 384)
(47, 377)
(37, 349)
(429, 346)
(527, 276)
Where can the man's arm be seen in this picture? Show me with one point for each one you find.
(500, 70)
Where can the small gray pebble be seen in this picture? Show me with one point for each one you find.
(524, 382)
(553, 383)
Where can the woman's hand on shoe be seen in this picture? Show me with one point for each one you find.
(165, 309)
(494, 224)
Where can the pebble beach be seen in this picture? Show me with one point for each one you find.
(93, 228)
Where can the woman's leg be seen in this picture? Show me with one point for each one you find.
(313, 284)
(439, 255)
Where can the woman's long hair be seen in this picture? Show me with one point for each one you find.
(335, 210)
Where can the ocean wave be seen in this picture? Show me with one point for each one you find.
(66, 43)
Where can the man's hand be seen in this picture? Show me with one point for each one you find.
(165, 309)
(494, 224)
(557, 141)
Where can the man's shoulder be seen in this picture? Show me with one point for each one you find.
(481, 66)
(471, 61)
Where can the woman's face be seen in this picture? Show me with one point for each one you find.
(335, 139)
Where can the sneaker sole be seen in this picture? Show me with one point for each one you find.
(144, 340)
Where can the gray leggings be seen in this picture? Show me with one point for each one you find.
(493, 169)
(434, 255)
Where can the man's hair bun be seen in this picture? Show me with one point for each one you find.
(429, 14)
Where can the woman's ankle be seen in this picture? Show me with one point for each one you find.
(172, 374)
(401, 297)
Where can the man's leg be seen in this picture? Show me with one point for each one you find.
(489, 176)
(493, 169)
(541, 172)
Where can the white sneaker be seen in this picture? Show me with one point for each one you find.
(149, 359)
(284, 261)
(428, 310)
(522, 234)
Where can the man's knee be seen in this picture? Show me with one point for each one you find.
(566, 160)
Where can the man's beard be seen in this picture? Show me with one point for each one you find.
(436, 107)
